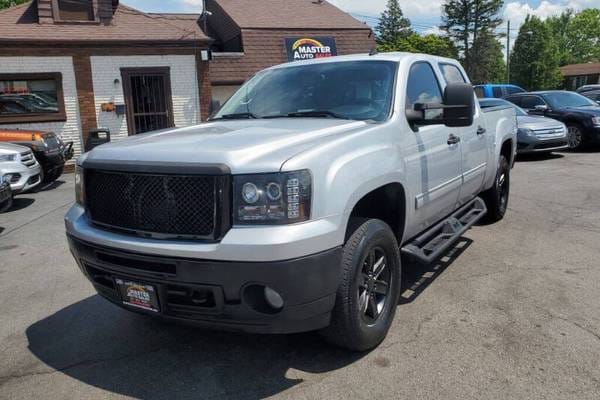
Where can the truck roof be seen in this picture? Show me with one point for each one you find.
(391, 56)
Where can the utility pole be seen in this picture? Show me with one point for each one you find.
(508, 51)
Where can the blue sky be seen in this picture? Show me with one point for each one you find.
(425, 14)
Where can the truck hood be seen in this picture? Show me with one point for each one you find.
(9, 148)
(245, 146)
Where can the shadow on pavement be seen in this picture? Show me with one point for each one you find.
(104, 346)
(538, 157)
(416, 277)
(20, 203)
(99, 344)
(49, 186)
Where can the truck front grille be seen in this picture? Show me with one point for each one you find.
(158, 206)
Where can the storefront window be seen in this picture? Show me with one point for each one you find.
(31, 98)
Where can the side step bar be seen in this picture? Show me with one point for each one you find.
(430, 245)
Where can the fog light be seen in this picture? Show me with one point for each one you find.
(273, 298)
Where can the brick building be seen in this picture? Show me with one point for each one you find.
(251, 35)
(73, 66)
(577, 75)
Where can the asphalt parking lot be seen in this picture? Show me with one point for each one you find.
(512, 312)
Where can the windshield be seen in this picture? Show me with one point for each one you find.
(560, 100)
(357, 90)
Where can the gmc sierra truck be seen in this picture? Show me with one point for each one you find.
(291, 209)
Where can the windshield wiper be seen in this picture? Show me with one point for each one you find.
(316, 114)
(245, 115)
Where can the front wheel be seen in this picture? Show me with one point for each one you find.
(496, 198)
(370, 287)
(575, 136)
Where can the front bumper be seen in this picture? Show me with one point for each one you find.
(25, 178)
(531, 144)
(307, 286)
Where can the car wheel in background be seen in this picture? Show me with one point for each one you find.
(575, 136)
(369, 288)
(6, 205)
(54, 175)
(496, 198)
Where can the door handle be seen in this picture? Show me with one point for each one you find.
(453, 139)
(480, 130)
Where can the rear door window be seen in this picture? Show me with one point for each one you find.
(452, 74)
(529, 102)
(515, 100)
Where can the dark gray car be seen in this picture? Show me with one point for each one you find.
(536, 134)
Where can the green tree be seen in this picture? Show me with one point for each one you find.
(583, 36)
(559, 27)
(428, 44)
(9, 3)
(489, 65)
(534, 60)
(392, 24)
(465, 20)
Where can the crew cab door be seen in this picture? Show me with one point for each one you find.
(474, 140)
(433, 162)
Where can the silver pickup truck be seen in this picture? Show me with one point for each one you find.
(291, 209)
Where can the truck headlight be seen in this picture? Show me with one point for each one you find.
(596, 121)
(278, 198)
(8, 157)
(79, 186)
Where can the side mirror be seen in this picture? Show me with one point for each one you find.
(458, 108)
(459, 105)
(542, 108)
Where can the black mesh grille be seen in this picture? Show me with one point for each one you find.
(172, 205)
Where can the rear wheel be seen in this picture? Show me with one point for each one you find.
(496, 198)
(370, 286)
(575, 136)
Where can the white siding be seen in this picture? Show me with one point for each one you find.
(184, 88)
(69, 130)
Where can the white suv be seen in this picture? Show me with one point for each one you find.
(19, 167)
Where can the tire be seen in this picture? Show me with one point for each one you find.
(575, 136)
(6, 205)
(54, 175)
(496, 198)
(368, 294)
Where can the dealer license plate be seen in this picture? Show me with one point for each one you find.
(139, 295)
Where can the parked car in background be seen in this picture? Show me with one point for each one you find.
(49, 149)
(593, 95)
(19, 167)
(6, 194)
(536, 134)
(496, 90)
(588, 88)
(580, 114)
